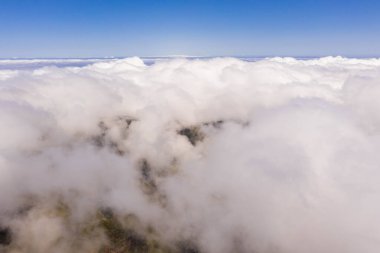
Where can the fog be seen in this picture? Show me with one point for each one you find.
(274, 156)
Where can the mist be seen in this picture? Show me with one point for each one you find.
(191, 155)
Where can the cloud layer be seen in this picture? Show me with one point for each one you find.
(274, 156)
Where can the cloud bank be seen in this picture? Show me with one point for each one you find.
(220, 155)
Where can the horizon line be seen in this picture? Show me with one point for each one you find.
(190, 56)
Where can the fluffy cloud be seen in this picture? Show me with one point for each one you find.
(278, 155)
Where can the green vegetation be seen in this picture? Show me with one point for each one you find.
(149, 185)
(193, 134)
(109, 232)
(5, 236)
(126, 239)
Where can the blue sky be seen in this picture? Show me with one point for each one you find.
(97, 28)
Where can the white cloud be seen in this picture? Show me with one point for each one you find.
(289, 162)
